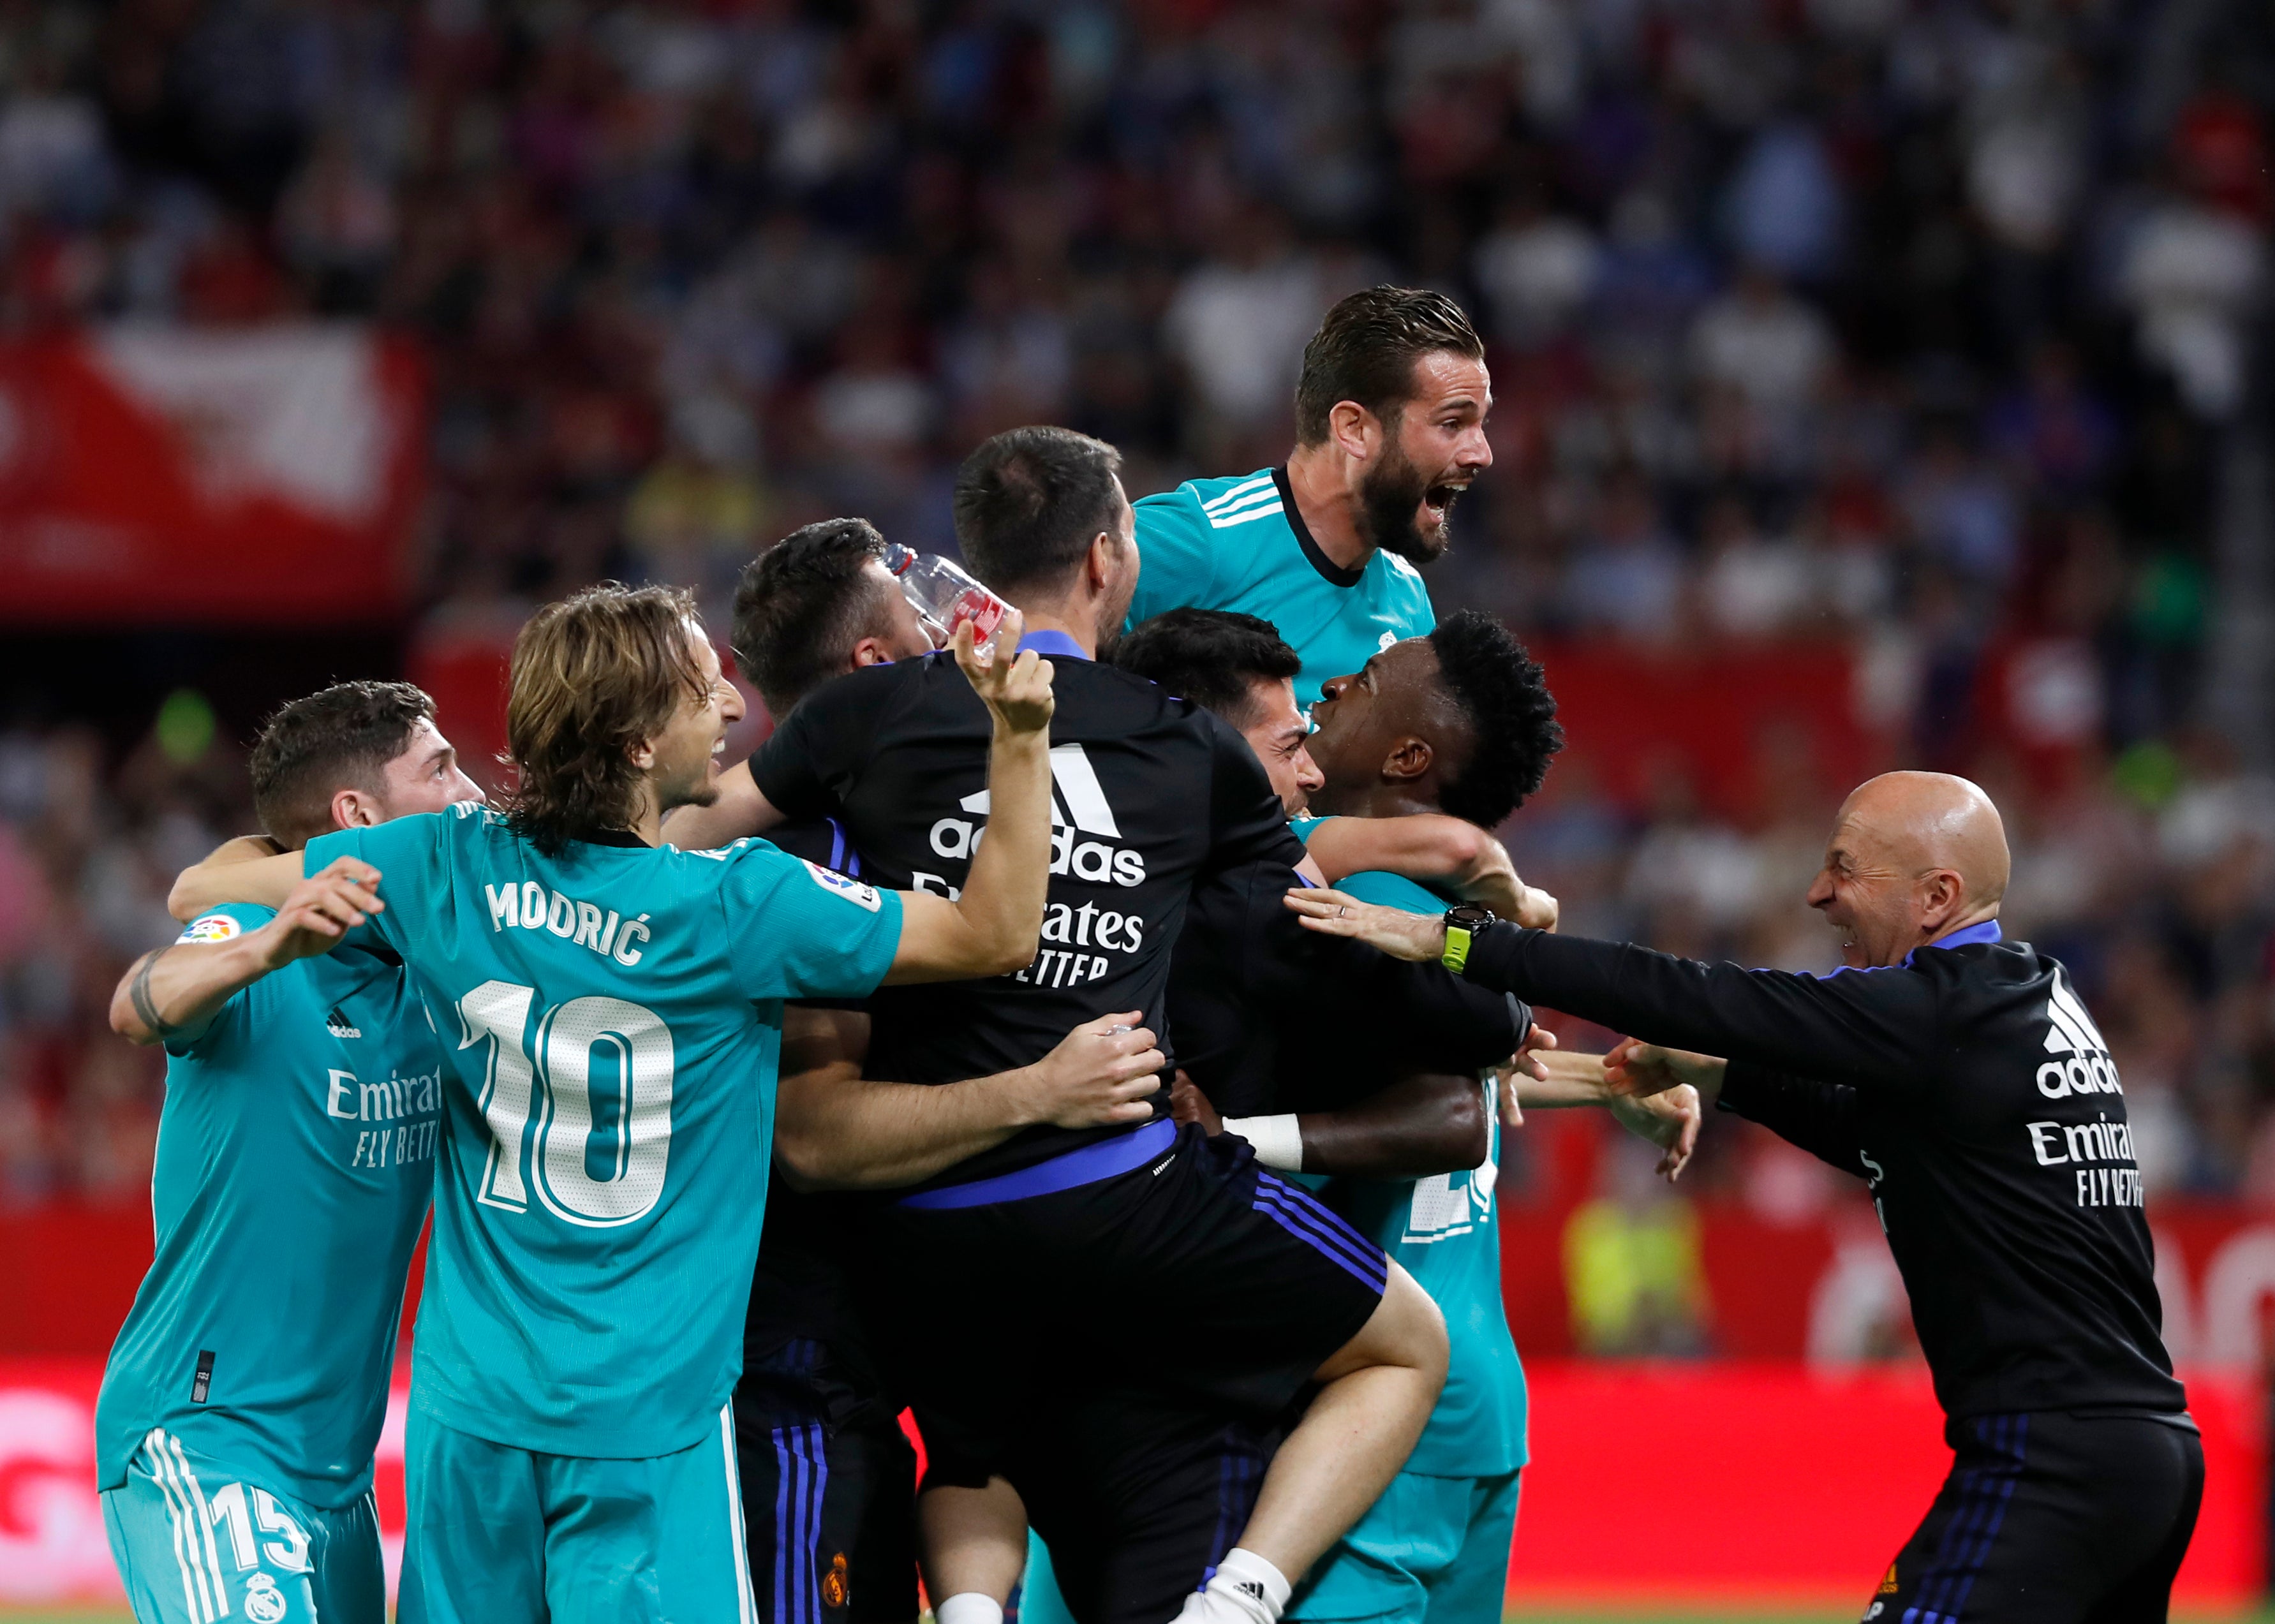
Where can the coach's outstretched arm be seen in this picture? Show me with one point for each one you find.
(1865, 1030)
(994, 927)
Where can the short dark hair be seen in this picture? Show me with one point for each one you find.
(1365, 349)
(1504, 695)
(592, 677)
(1212, 657)
(340, 737)
(802, 604)
(1029, 502)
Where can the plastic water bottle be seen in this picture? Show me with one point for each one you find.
(944, 597)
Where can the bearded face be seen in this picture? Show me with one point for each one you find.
(1403, 508)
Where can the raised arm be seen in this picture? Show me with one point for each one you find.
(995, 926)
(835, 1131)
(1438, 850)
(741, 809)
(174, 990)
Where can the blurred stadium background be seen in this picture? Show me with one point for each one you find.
(1880, 383)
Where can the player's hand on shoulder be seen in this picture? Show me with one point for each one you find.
(1188, 1104)
(1016, 691)
(322, 910)
(1102, 1074)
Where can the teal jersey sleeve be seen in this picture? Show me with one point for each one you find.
(798, 929)
(225, 923)
(1303, 826)
(1177, 555)
(1441, 1230)
(408, 854)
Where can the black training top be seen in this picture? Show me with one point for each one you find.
(1151, 794)
(1270, 1017)
(1969, 1086)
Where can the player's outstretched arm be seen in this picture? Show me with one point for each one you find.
(741, 809)
(1670, 1118)
(995, 926)
(177, 988)
(835, 1131)
(1437, 850)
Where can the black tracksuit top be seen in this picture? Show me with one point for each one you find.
(1972, 1092)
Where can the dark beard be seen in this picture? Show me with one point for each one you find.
(1389, 495)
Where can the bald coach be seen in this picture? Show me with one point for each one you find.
(1957, 1074)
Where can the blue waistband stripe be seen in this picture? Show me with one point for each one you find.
(1087, 1164)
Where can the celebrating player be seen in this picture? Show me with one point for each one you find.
(1961, 1077)
(1183, 1293)
(245, 1392)
(609, 1107)
(830, 1479)
(1390, 430)
(1460, 719)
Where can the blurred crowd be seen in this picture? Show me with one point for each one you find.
(1910, 330)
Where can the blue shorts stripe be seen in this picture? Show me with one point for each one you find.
(1298, 1208)
(1368, 1267)
(1968, 1538)
(1332, 1219)
(801, 1458)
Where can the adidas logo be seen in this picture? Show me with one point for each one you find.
(2070, 1032)
(340, 1026)
(1078, 807)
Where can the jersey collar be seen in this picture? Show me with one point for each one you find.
(1051, 641)
(1988, 931)
(1330, 572)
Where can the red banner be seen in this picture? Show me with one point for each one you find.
(152, 475)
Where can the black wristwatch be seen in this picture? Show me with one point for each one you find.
(1463, 921)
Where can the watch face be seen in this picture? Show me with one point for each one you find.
(1469, 915)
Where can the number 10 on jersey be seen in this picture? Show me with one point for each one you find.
(544, 1102)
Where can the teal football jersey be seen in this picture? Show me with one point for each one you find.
(1240, 544)
(1441, 1230)
(613, 1017)
(295, 1155)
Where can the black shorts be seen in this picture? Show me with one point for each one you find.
(829, 1519)
(1124, 1353)
(2052, 1518)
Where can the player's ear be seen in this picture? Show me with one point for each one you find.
(352, 809)
(1409, 759)
(1355, 429)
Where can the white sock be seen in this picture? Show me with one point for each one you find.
(969, 1607)
(1246, 1588)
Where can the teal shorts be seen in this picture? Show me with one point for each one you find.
(195, 1542)
(499, 1535)
(1431, 1548)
